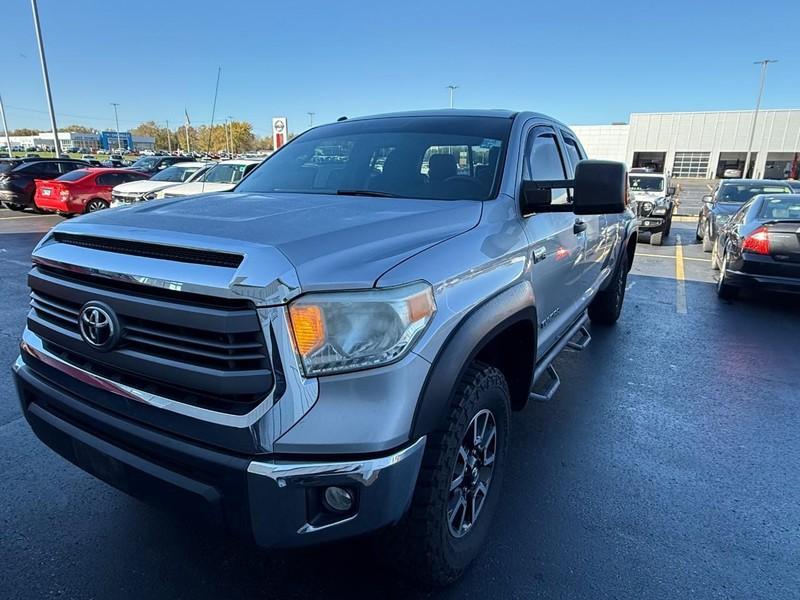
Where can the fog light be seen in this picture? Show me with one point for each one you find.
(338, 499)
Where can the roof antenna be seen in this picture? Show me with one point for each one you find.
(341, 119)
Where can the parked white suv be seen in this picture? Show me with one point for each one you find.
(147, 189)
(220, 178)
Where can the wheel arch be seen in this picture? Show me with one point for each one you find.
(501, 332)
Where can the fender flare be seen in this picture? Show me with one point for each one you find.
(462, 345)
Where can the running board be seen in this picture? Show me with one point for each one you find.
(547, 394)
(545, 366)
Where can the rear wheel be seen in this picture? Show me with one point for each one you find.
(458, 487)
(724, 289)
(95, 205)
(607, 304)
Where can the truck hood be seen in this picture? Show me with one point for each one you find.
(199, 187)
(330, 242)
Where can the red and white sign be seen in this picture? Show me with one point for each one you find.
(280, 131)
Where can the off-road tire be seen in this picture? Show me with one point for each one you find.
(656, 238)
(607, 304)
(421, 546)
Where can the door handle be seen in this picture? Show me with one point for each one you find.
(579, 226)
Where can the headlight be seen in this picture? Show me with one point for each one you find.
(660, 211)
(149, 196)
(647, 207)
(347, 331)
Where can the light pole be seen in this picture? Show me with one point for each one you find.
(5, 126)
(763, 64)
(169, 139)
(452, 89)
(46, 77)
(230, 133)
(116, 119)
(310, 119)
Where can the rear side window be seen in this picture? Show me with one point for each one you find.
(543, 162)
(110, 179)
(40, 169)
(68, 167)
(777, 207)
(74, 175)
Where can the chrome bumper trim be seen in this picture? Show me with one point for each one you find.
(362, 472)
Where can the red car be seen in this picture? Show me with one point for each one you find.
(81, 191)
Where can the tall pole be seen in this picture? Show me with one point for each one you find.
(310, 119)
(763, 64)
(169, 139)
(5, 126)
(186, 130)
(116, 119)
(213, 112)
(46, 77)
(452, 89)
(231, 150)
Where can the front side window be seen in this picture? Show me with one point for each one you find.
(543, 162)
(573, 151)
(439, 158)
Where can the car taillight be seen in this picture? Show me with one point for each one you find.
(757, 242)
(64, 194)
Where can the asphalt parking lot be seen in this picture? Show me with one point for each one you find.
(666, 467)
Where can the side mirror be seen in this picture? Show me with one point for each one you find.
(671, 190)
(599, 187)
(708, 199)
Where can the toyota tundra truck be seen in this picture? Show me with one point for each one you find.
(334, 348)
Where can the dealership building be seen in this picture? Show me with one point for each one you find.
(106, 140)
(701, 144)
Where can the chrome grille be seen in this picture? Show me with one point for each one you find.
(213, 353)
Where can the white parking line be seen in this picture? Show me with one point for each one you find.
(23, 217)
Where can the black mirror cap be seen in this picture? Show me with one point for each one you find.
(601, 187)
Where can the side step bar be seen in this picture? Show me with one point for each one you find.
(545, 366)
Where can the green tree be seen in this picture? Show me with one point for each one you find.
(24, 131)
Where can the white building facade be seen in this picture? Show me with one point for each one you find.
(72, 139)
(702, 144)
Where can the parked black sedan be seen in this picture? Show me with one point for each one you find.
(728, 198)
(760, 246)
(17, 178)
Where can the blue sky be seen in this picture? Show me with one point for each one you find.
(581, 62)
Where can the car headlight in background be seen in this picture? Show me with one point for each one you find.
(149, 196)
(346, 331)
(647, 207)
(659, 211)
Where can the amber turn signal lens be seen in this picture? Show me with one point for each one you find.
(308, 326)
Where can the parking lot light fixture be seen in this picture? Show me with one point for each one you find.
(46, 77)
(763, 64)
(452, 89)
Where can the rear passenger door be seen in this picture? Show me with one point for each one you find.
(556, 248)
(600, 230)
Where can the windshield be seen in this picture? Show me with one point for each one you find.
(224, 173)
(74, 175)
(148, 162)
(646, 184)
(787, 208)
(414, 157)
(741, 193)
(176, 174)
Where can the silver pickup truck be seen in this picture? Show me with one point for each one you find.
(337, 346)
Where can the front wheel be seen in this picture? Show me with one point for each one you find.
(607, 304)
(656, 239)
(724, 289)
(708, 243)
(14, 207)
(458, 487)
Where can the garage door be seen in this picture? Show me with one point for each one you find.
(691, 164)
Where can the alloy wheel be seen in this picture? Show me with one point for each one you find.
(472, 473)
(95, 205)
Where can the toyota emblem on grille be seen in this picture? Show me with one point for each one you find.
(98, 325)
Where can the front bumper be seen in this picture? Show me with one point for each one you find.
(652, 224)
(275, 501)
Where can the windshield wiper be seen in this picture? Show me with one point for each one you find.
(366, 193)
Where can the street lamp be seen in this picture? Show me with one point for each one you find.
(230, 134)
(116, 119)
(763, 64)
(5, 127)
(452, 89)
(46, 77)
